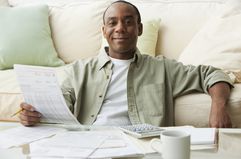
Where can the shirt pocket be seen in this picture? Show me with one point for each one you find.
(153, 99)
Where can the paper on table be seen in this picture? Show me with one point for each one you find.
(68, 144)
(87, 144)
(199, 136)
(23, 135)
(203, 136)
(129, 150)
(14, 153)
(143, 144)
(40, 88)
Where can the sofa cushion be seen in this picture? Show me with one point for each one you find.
(218, 43)
(194, 108)
(58, 3)
(3, 3)
(147, 41)
(10, 95)
(26, 37)
(180, 20)
(77, 29)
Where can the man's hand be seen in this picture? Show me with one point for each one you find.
(29, 116)
(219, 117)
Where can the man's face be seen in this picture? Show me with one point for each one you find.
(121, 30)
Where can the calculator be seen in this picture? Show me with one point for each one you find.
(142, 130)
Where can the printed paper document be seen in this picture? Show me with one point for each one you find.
(41, 89)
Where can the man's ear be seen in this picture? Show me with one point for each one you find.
(103, 31)
(140, 28)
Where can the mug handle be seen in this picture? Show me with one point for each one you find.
(156, 145)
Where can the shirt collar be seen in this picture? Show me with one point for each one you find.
(105, 59)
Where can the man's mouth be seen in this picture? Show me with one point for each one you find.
(120, 38)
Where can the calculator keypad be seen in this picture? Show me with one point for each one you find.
(142, 130)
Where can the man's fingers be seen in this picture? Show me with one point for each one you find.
(223, 124)
(29, 120)
(228, 125)
(27, 123)
(30, 113)
(28, 116)
(26, 106)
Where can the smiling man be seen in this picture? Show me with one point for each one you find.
(121, 29)
(121, 86)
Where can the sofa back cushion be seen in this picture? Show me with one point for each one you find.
(3, 3)
(218, 43)
(180, 20)
(77, 29)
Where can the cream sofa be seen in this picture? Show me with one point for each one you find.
(171, 26)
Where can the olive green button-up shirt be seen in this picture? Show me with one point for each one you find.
(152, 86)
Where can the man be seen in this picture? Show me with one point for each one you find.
(121, 87)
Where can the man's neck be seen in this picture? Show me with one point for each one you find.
(121, 55)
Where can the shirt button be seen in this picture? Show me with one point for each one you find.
(131, 109)
(92, 115)
(107, 76)
(100, 96)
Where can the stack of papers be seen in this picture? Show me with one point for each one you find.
(85, 144)
(201, 138)
(52, 141)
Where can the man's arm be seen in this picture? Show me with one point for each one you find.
(219, 117)
(188, 79)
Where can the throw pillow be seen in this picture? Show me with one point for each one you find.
(218, 43)
(147, 41)
(26, 37)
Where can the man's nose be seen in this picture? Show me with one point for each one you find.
(120, 27)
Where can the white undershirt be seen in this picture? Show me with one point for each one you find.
(114, 110)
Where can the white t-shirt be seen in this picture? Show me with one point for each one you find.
(114, 110)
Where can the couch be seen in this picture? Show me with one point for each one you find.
(190, 31)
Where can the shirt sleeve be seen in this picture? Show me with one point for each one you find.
(186, 79)
(65, 77)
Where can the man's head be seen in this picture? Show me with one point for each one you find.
(122, 26)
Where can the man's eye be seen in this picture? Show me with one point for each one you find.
(111, 23)
(128, 21)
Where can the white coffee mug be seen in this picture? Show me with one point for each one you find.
(172, 144)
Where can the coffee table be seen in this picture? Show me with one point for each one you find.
(229, 147)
